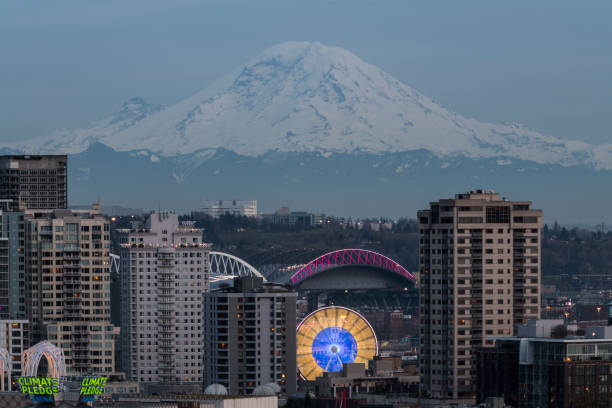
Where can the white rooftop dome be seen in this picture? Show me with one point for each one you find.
(215, 389)
(275, 387)
(264, 390)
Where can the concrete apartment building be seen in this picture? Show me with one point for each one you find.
(164, 270)
(34, 182)
(480, 279)
(68, 291)
(249, 338)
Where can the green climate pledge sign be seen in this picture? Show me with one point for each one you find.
(92, 386)
(44, 389)
(39, 389)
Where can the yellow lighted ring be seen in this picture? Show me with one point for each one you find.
(321, 319)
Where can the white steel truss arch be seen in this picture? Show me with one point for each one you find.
(225, 264)
(5, 368)
(54, 355)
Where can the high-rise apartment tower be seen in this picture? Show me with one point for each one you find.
(34, 182)
(68, 291)
(164, 270)
(250, 336)
(480, 278)
(12, 262)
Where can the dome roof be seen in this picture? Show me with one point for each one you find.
(264, 390)
(215, 389)
(275, 387)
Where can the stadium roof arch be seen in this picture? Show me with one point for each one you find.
(351, 269)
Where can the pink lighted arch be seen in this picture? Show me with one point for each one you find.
(347, 257)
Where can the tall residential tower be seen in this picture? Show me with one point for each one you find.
(250, 338)
(34, 182)
(12, 262)
(164, 270)
(480, 278)
(68, 291)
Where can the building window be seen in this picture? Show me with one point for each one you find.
(498, 215)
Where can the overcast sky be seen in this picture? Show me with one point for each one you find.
(547, 64)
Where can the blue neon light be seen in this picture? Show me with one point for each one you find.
(332, 347)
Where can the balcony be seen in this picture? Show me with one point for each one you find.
(73, 306)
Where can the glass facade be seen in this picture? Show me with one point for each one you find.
(551, 372)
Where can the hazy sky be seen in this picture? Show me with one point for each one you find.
(547, 64)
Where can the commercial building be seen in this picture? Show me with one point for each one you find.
(534, 369)
(480, 278)
(283, 216)
(12, 262)
(68, 288)
(353, 380)
(164, 270)
(249, 338)
(34, 182)
(217, 208)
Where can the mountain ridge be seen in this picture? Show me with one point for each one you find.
(308, 97)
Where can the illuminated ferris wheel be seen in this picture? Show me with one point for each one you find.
(330, 337)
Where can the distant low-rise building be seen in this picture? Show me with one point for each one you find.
(284, 216)
(217, 208)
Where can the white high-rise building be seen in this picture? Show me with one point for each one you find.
(164, 270)
(217, 208)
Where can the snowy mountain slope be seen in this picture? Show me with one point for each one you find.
(73, 141)
(308, 97)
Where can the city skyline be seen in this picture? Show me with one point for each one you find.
(330, 203)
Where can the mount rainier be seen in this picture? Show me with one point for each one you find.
(302, 119)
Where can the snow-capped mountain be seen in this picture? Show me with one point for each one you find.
(316, 128)
(302, 97)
